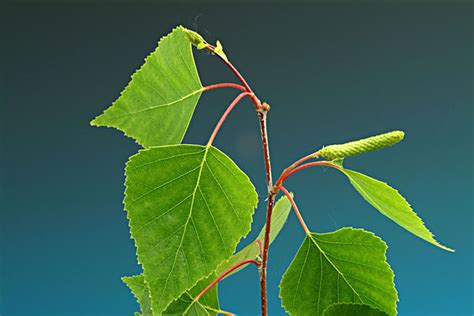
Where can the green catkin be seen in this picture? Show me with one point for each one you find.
(361, 146)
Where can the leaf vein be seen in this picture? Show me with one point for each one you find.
(162, 214)
(334, 266)
(301, 274)
(167, 158)
(213, 219)
(357, 263)
(165, 184)
(226, 197)
(153, 107)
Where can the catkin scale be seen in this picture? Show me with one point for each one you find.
(361, 146)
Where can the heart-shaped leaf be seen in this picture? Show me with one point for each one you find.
(188, 207)
(345, 266)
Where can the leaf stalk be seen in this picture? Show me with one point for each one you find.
(297, 212)
(224, 85)
(223, 275)
(224, 116)
(212, 49)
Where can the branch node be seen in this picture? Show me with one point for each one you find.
(274, 190)
(263, 108)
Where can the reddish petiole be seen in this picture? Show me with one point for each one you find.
(224, 85)
(223, 275)
(295, 208)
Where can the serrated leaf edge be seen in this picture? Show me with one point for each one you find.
(432, 241)
(95, 121)
(136, 246)
(124, 278)
(321, 251)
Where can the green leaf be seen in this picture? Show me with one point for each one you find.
(137, 284)
(207, 304)
(391, 204)
(352, 310)
(183, 305)
(157, 105)
(196, 39)
(139, 289)
(345, 266)
(251, 251)
(280, 214)
(188, 207)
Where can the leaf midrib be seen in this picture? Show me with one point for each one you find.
(420, 231)
(345, 279)
(321, 251)
(187, 221)
(159, 105)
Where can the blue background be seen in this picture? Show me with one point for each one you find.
(331, 71)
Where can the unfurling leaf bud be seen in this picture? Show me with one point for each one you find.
(361, 146)
(219, 50)
(196, 39)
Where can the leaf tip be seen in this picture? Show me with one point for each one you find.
(99, 121)
(444, 247)
(95, 122)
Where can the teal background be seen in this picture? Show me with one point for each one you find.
(332, 71)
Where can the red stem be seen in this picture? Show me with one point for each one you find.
(271, 200)
(224, 116)
(253, 97)
(223, 275)
(262, 116)
(293, 166)
(224, 85)
(301, 160)
(291, 171)
(234, 70)
(295, 208)
(308, 165)
(263, 269)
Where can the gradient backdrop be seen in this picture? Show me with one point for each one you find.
(331, 71)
